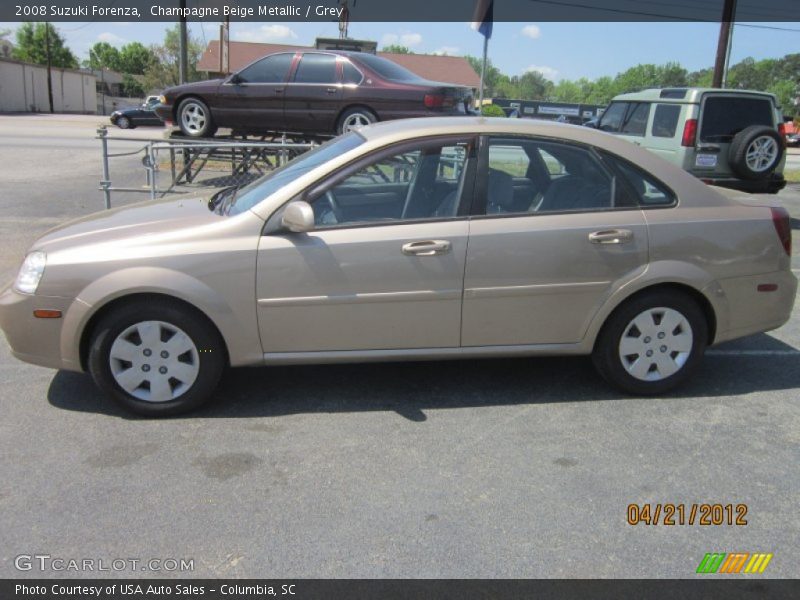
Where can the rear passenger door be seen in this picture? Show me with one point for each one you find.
(314, 94)
(539, 268)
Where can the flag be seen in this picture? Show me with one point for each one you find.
(483, 17)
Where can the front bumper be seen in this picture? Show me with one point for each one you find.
(36, 341)
(164, 112)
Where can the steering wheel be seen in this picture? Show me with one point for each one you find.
(334, 204)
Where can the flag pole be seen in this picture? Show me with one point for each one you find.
(483, 72)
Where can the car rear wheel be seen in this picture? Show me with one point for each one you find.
(157, 359)
(123, 122)
(355, 118)
(652, 343)
(755, 152)
(194, 118)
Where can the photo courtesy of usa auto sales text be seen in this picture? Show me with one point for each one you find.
(139, 590)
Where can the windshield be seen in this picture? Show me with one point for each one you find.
(387, 69)
(260, 189)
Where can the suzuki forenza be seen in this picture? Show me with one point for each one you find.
(434, 238)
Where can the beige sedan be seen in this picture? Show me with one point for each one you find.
(418, 239)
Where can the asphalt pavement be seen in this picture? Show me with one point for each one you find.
(490, 468)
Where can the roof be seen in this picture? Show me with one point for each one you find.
(683, 94)
(448, 69)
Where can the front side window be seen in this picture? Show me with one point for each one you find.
(613, 116)
(724, 117)
(272, 69)
(560, 177)
(316, 68)
(636, 121)
(423, 182)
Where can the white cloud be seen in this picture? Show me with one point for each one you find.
(111, 38)
(408, 40)
(548, 72)
(446, 51)
(266, 33)
(532, 31)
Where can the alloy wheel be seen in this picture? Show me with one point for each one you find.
(193, 117)
(761, 154)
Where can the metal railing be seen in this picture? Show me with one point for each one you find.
(193, 164)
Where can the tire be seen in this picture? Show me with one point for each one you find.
(152, 382)
(755, 152)
(123, 123)
(669, 325)
(194, 118)
(354, 118)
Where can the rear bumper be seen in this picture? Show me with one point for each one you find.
(750, 311)
(771, 185)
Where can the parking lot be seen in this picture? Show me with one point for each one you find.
(493, 468)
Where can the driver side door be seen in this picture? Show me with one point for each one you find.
(383, 269)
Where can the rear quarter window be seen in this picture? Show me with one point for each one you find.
(724, 117)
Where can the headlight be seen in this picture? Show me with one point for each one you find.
(162, 99)
(30, 273)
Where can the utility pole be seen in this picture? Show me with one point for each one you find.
(49, 73)
(723, 44)
(183, 58)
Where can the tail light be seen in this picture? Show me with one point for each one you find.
(783, 227)
(439, 101)
(782, 133)
(689, 133)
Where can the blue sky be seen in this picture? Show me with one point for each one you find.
(558, 50)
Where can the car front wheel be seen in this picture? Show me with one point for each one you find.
(157, 359)
(652, 343)
(194, 118)
(123, 122)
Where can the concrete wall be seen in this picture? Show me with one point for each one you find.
(23, 88)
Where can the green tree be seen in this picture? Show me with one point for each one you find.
(103, 56)
(135, 58)
(131, 87)
(164, 71)
(396, 49)
(31, 46)
(493, 75)
(534, 86)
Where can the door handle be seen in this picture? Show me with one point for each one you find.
(278, 90)
(611, 236)
(332, 90)
(426, 248)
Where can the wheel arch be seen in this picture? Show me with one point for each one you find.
(700, 298)
(140, 297)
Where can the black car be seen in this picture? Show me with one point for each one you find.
(144, 114)
(317, 92)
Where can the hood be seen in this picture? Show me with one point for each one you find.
(158, 218)
(207, 84)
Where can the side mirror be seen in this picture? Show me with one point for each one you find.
(236, 79)
(298, 217)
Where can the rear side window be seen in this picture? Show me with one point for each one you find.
(351, 74)
(665, 120)
(636, 120)
(316, 68)
(272, 69)
(613, 116)
(647, 190)
(724, 117)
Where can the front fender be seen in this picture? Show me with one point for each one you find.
(238, 327)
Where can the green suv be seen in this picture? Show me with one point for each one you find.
(730, 138)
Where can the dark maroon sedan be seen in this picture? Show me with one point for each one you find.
(311, 92)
